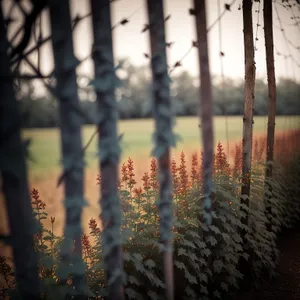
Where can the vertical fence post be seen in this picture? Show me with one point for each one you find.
(109, 149)
(248, 107)
(163, 135)
(71, 142)
(268, 29)
(205, 107)
(14, 181)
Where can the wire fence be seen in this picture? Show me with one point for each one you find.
(24, 48)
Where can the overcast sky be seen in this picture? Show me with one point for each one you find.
(180, 29)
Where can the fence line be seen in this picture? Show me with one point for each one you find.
(108, 146)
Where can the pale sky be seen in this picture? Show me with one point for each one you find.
(180, 28)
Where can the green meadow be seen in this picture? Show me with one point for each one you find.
(137, 139)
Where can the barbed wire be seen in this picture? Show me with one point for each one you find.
(126, 20)
(285, 56)
(221, 56)
(258, 10)
(294, 17)
(288, 55)
(178, 63)
(227, 7)
(286, 40)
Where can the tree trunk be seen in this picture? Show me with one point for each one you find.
(268, 28)
(109, 149)
(205, 107)
(71, 141)
(248, 107)
(14, 180)
(164, 138)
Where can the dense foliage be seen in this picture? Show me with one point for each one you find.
(206, 258)
(134, 97)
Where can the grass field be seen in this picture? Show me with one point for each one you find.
(137, 140)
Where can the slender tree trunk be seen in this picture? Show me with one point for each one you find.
(268, 28)
(163, 133)
(248, 106)
(109, 149)
(71, 142)
(205, 107)
(14, 180)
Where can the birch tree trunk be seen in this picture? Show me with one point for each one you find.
(109, 150)
(14, 180)
(163, 135)
(71, 142)
(268, 29)
(248, 107)
(205, 107)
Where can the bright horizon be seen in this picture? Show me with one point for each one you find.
(130, 43)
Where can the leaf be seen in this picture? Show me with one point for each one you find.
(132, 294)
(188, 243)
(217, 294)
(212, 240)
(137, 256)
(202, 262)
(153, 295)
(190, 292)
(133, 280)
(193, 234)
(150, 263)
(203, 289)
(180, 265)
(215, 229)
(182, 251)
(204, 227)
(203, 277)
(127, 256)
(200, 244)
(224, 286)
(192, 279)
(218, 265)
(245, 255)
(206, 252)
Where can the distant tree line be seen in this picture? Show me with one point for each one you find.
(134, 97)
